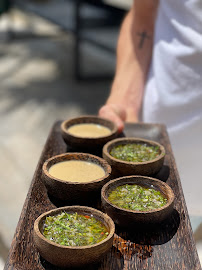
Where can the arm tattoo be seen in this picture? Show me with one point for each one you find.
(143, 36)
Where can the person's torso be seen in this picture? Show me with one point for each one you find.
(173, 93)
(176, 73)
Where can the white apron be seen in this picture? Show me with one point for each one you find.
(173, 93)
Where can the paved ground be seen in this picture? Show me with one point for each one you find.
(38, 87)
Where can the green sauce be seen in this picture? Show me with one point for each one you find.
(136, 197)
(74, 230)
(135, 152)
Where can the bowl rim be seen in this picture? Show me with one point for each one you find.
(134, 177)
(105, 217)
(114, 130)
(108, 170)
(109, 144)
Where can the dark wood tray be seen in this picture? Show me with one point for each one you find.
(169, 245)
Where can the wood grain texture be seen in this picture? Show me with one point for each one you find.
(168, 246)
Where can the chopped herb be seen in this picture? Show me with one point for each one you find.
(72, 229)
(136, 197)
(135, 152)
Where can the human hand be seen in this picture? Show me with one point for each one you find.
(115, 113)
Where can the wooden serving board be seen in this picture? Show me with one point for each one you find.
(169, 245)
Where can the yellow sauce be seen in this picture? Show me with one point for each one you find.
(76, 171)
(89, 130)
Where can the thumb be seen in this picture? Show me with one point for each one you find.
(116, 115)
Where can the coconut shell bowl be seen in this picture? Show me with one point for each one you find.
(128, 218)
(74, 192)
(88, 140)
(72, 256)
(122, 167)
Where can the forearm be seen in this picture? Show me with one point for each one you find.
(134, 53)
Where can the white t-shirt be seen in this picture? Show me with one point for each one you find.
(173, 93)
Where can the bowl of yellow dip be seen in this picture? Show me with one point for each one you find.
(88, 131)
(75, 176)
(73, 236)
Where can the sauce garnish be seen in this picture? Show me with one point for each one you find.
(136, 197)
(73, 229)
(135, 152)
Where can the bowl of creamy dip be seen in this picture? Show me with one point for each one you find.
(75, 176)
(88, 131)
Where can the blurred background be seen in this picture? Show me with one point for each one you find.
(57, 60)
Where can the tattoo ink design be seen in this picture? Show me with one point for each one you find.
(143, 36)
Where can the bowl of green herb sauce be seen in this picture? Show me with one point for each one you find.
(65, 234)
(134, 156)
(137, 199)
